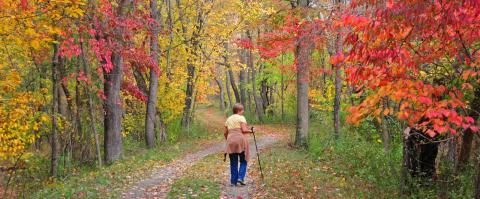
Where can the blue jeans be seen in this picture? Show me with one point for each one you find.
(237, 174)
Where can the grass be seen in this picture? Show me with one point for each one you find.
(352, 166)
(358, 155)
(202, 180)
(109, 181)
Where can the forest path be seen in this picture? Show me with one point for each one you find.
(159, 183)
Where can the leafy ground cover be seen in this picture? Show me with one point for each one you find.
(109, 181)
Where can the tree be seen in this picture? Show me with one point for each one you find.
(338, 79)
(302, 57)
(153, 87)
(425, 63)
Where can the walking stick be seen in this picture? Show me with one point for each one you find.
(258, 155)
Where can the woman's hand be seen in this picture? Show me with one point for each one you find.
(245, 128)
(225, 134)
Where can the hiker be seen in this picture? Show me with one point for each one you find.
(237, 144)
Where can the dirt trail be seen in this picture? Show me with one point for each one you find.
(159, 183)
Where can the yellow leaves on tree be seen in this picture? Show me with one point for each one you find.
(323, 99)
(20, 119)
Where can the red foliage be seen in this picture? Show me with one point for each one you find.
(394, 47)
(24, 4)
(108, 33)
(133, 90)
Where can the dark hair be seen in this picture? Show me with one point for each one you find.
(237, 108)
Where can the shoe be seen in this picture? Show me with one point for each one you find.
(241, 183)
(233, 185)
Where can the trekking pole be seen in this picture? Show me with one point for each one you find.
(258, 155)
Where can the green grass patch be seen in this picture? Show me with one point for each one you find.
(202, 180)
(109, 181)
(293, 173)
(359, 156)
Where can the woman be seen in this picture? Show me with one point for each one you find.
(237, 145)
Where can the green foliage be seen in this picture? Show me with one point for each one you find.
(295, 173)
(359, 156)
(194, 188)
(83, 181)
(202, 180)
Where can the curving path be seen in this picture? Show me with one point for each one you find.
(157, 185)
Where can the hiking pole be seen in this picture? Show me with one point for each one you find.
(258, 155)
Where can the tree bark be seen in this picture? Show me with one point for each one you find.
(91, 110)
(170, 28)
(233, 84)
(160, 125)
(231, 76)
(112, 105)
(404, 172)
(271, 98)
(221, 94)
(242, 79)
(419, 154)
(338, 87)
(153, 87)
(385, 133)
(302, 55)
(264, 94)
(256, 98)
(227, 87)
(140, 80)
(55, 95)
(113, 111)
(467, 137)
(189, 97)
(78, 118)
(195, 46)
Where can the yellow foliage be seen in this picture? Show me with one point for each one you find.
(20, 120)
(323, 100)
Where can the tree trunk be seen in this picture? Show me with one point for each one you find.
(94, 128)
(264, 94)
(189, 97)
(302, 56)
(170, 28)
(113, 110)
(153, 87)
(112, 105)
(350, 95)
(195, 46)
(404, 172)
(271, 98)
(282, 96)
(467, 138)
(231, 76)
(233, 84)
(55, 95)
(242, 79)
(338, 89)
(78, 118)
(227, 86)
(140, 80)
(249, 92)
(385, 133)
(162, 129)
(221, 94)
(91, 110)
(256, 99)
